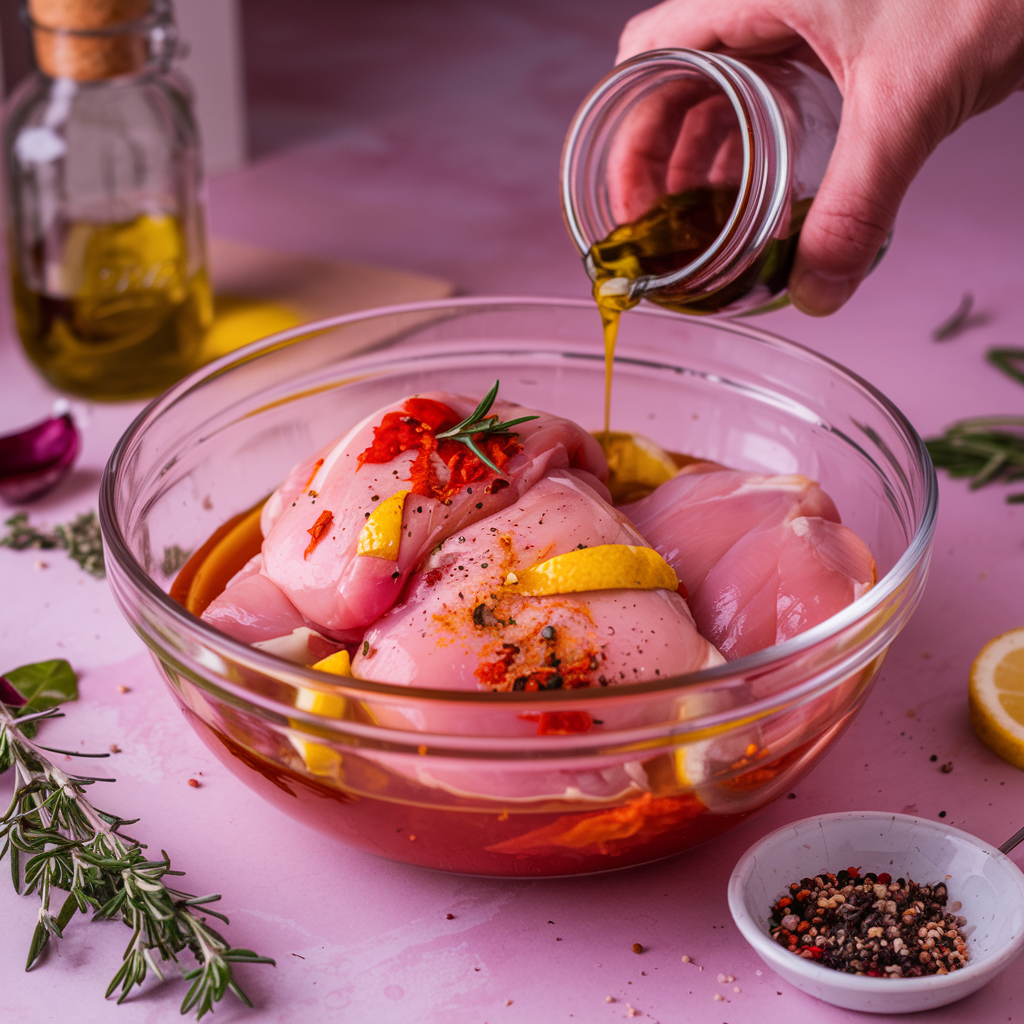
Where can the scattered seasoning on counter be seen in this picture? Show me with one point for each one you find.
(870, 925)
(194, 783)
(637, 948)
(115, 749)
(124, 689)
(449, 917)
(946, 768)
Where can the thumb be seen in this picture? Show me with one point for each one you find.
(877, 154)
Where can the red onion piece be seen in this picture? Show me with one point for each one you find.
(35, 460)
(9, 695)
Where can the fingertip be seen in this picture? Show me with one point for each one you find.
(819, 294)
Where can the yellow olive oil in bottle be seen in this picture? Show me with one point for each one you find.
(105, 227)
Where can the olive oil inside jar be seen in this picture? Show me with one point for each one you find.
(677, 231)
(121, 316)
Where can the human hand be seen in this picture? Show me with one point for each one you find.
(910, 72)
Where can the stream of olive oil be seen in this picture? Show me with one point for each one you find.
(123, 317)
(674, 233)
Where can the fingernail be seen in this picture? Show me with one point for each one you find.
(819, 294)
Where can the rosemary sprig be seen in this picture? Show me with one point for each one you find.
(80, 538)
(984, 449)
(479, 423)
(1009, 360)
(57, 839)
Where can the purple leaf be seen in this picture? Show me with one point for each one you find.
(34, 460)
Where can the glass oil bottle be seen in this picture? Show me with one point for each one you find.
(105, 225)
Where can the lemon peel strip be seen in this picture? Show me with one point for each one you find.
(604, 567)
(382, 532)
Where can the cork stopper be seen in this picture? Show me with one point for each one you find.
(88, 40)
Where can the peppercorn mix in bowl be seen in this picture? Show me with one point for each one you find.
(467, 780)
(907, 914)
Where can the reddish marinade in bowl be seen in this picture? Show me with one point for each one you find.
(445, 778)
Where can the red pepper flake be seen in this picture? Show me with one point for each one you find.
(194, 783)
(316, 469)
(413, 428)
(317, 530)
(559, 723)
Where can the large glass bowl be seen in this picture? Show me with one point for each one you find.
(460, 781)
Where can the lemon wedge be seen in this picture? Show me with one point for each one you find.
(319, 758)
(382, 533)
(636, 465)
(605, 567)
(996, 696)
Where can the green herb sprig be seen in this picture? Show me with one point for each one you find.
(985, 450)
(1009, 360)
(478, 422)
(57, 840)
(80, 538)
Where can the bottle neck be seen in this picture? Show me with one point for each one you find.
(102, 39)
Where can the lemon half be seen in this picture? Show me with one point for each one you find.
(996, 696)
(605, 567)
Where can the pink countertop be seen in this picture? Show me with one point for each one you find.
(440, 155)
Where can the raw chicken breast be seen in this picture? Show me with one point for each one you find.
(458, 627)
(330, 497)
(762, 557)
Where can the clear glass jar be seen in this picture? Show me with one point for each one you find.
(105, 224)
(686, 177)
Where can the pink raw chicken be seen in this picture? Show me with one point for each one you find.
(762, 557)
(459, 628)
(339, 590)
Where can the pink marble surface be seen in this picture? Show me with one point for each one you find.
(427, 136)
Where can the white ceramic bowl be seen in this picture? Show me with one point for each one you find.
(988, 884)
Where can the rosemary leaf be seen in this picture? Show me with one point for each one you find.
(985, 450)
(958, 322)
(57, 840)
(1009, 360)
(478, 423)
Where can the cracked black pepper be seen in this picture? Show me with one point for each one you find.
(869, 924)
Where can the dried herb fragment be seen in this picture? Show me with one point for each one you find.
(174, 560)
(57, 839)
(958, 322)
(81, 539)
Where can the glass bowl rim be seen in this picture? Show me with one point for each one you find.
(116, 547)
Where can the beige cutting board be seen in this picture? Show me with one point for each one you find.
(259, 291)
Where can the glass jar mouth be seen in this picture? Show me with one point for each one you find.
(212, 646)
(763, 194)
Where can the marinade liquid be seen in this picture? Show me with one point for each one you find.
(119, 316)
(673, 234)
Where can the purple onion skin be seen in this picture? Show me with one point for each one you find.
(35, 460)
